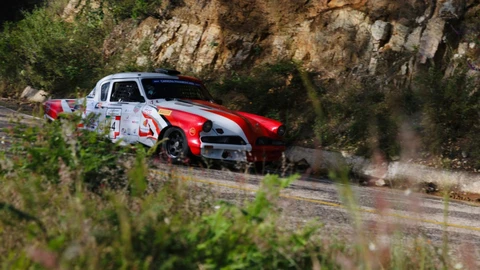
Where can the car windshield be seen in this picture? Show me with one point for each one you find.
(169, 89)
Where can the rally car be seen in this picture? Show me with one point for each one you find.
(176, 110)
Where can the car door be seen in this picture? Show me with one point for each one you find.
(93, 111)
(123, 111)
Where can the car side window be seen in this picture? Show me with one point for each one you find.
(126, 92)
(91, 94)
(104, 91)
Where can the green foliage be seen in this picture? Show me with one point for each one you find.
(61, 148)
(358, 119)
(135, 9)
(46, 52)
(169, 227)
(449, 106)
(270, 90)
(158, 219)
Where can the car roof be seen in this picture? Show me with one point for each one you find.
(136, 75)
(139, 75)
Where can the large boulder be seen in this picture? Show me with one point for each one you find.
(33, 95)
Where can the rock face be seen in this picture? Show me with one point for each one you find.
(330, 37)
(33, 95)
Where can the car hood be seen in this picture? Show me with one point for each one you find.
(228, 121)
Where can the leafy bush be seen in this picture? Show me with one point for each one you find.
(360, 117)
(449, 106)
(273, 90)
(60, 147)
(46, 52)
(135, 9)
(170, 226)
(51, 219)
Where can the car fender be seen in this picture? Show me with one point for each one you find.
(271, 126)
(190, 124)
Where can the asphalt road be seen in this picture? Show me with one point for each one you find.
(379, 212)
(411, 214)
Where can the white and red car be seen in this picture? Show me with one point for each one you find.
(164, 105)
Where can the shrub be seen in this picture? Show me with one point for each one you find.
(171, 226)
(60, 147)
(135, 9)
(51, 219)
(449, 106)
(272, 90)
(358, 116)
(46, 52)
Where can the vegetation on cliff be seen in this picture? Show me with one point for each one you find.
(434, 112)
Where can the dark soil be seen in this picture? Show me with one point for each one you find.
(20, 106)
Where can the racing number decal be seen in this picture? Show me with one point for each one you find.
(115, 127)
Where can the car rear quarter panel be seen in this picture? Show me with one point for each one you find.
(54, 107)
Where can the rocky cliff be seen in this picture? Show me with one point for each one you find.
(337, 39)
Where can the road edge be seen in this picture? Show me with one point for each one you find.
(383, 172)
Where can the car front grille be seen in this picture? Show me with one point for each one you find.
(268, 141)
(224, 140)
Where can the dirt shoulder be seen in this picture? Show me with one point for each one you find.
(20, 106)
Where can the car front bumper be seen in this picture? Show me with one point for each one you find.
(243, 153)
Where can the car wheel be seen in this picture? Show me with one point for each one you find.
(175, 146)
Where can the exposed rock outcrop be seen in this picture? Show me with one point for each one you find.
(330, 37)
(33, 95)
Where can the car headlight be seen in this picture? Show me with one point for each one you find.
(207, 126)
(281, 130)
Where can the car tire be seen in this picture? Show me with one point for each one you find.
(174, 147)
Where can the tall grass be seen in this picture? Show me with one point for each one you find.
(70, 199)
(382, 244)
